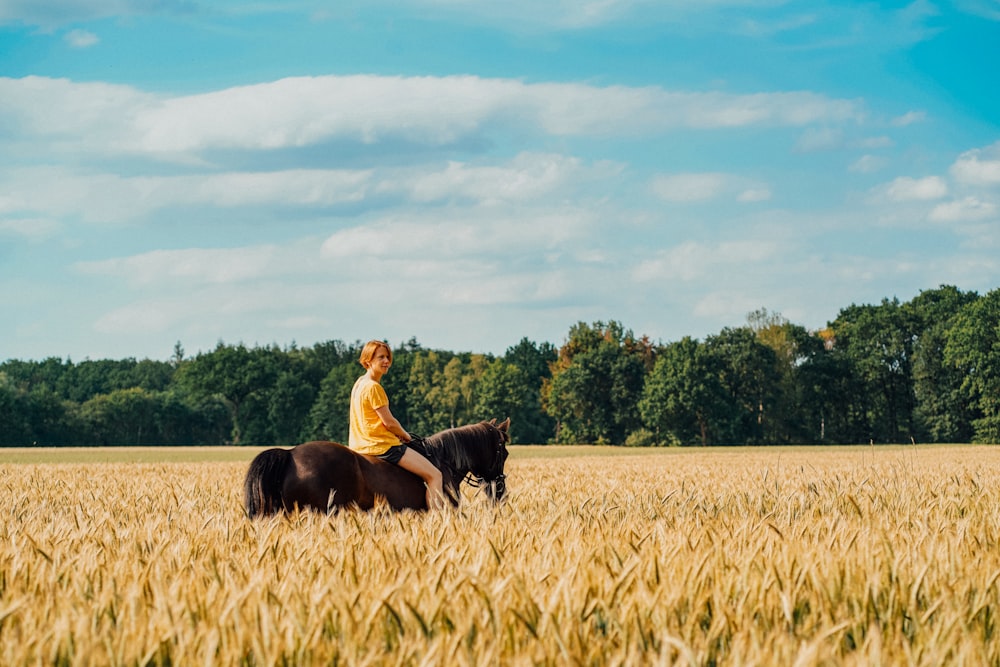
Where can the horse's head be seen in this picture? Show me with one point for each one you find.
(476, 451)
(491, 476)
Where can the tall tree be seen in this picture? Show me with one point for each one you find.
(941, 412)
(505, 392)
(596, 385)
(288, 405)
(973, 348)
(123, 417)
(818, 398)
(789, 418)
(15, 429)
(429, 407)
(233, 374)
(749, 372)
(878, 343)
(529, 422)
(328, 417)
(683, 400)
(55, 421)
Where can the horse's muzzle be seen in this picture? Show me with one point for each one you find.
(496, 489)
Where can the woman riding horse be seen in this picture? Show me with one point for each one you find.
(376, 432)
(380, 460)
(325, 476)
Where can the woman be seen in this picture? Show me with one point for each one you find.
(374, 431)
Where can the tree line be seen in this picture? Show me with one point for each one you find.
(927, 370)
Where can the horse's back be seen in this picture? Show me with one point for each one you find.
(323, 468)
(328, 474)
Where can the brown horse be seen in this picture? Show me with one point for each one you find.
(325, 476)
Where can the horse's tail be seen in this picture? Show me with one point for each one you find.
(262, 486)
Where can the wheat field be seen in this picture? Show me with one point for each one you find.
(824, 556)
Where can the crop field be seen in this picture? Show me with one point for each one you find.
(791, 556)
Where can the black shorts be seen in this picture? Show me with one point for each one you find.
(394, 453)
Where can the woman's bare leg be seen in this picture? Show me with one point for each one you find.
(416, 463)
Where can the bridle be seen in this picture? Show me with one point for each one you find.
(495, 473)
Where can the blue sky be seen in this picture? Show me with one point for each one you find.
(471, 173)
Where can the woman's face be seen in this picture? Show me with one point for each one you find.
(380, 361)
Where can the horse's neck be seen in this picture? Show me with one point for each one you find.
(444, 456)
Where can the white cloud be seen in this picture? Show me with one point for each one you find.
(192, 265)
(688, 187)
(754, 195)
(978, 167)
(146, 317)
(31, 229)
(110, 198)
(727, 305)
(473, 235)
(909, 118)
(703, 187)
(819, 139)
(527, 177)
(50, 14)
(217, 310)
(963, 210)
(870, 143)
(81, 39)
(477, 258)
(905, 188)
(867, 164)
(435, 111)
(693, 260)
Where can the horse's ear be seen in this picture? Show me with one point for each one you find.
(504, 425)
(492, 422)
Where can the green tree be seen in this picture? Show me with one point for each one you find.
(973, 349)
(448, 394)
(534, 359)
(749, 371)
(683, 400)
(817, 394)
(181, 419)
(329, 416)
(596, 385)
(233, 374)
(29, 376)
(55, 421)
(288, 405)
(123, 417)
(15, 429)
(529, 421)
(941, 412)
(504, 391)
(427, 399)
(878, 343)
(88, 378)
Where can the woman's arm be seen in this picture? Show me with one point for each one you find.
(392, 423)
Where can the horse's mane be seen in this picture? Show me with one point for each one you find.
(459, 445)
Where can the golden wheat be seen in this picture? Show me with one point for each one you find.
(691, 557)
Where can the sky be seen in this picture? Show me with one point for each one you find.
(470, 174)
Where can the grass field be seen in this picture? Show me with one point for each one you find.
(791, 556)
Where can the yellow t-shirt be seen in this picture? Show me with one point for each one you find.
(368, 434)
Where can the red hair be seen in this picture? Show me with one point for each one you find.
(369, 350)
